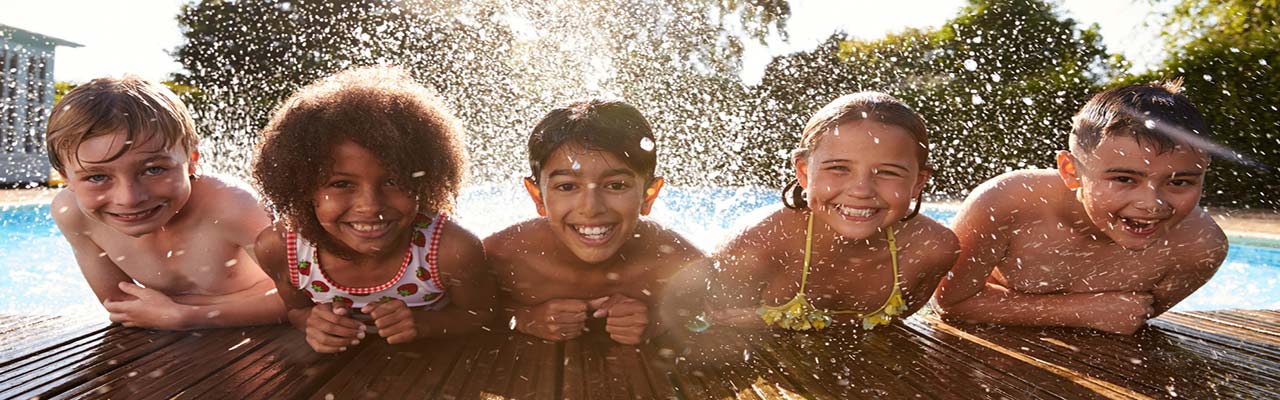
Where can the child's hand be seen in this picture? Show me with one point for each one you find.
(554, 320)
(1128, 312)
(394, 320)
(627, 317)
(330, 330)
(149, 308)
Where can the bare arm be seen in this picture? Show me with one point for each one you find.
(971, 292)
(1187, 278)
(273, 258)
(472, 291)
(936, 248)
(740, 272)
(103, 275)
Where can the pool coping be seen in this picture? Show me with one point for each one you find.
(1255, 227)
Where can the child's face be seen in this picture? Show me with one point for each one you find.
(362, 205)
(1133, 193)
(137, 193)
(592, 199)
(862, 177)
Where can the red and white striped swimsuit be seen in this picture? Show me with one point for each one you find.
(417, 283)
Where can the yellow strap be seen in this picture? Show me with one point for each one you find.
(808, 250)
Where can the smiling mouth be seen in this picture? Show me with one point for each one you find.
(855, 213)
(370, 229)
(1139, 226)
(594, 234)
(136, 216)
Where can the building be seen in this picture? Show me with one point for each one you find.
(26, 97)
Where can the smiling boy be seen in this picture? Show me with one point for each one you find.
(1112, 238)
(589, 255)
(160, 246)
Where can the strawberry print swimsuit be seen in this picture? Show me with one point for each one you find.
(417, 284)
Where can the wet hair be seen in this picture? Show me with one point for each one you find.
(1139, 111)
(607, 125)
(144, 110)
(406, 125)
(874, 106)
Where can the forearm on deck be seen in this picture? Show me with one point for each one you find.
(263, 309)
(1000, 305)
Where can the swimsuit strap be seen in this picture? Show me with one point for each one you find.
(808, 252)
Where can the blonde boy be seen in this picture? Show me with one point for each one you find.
(1112, 238)
(161, 246)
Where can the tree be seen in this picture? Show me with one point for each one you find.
(1227, 52)
(502, 65)
(997, 85)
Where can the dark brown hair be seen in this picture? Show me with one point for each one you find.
(407, 126)
(874, 106)
(108, 105)
(609, 125)
(1139, 111)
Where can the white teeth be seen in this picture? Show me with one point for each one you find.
(856, 212)
(362, 227)
(593, 232)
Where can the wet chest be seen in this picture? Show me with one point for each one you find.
(835, 282)
(539, 281)
(181, 267)
(1044, 261)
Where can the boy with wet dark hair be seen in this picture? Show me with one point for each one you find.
(589, 255)
(161, 246)
(1112, 238)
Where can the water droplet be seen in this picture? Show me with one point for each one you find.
(977, 100)
(646, 144)
(971, 65)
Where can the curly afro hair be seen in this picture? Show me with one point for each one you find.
(382, 109)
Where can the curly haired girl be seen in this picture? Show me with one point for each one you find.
(362, 168)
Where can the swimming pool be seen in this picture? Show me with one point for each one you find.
(39, 274)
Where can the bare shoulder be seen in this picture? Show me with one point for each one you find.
(929, 240)
(225, 194)
(460, 244)
(1015, 194)
(667, 242)
(762, 234)
(66, 213)
(230, 204)
(515, 240)
(1202, 239)
(270, 248)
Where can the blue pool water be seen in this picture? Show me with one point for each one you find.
(39, 275)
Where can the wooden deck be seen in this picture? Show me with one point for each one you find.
(1227, 354)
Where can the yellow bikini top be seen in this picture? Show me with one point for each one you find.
(798, 314)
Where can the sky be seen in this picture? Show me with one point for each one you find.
(136, 39)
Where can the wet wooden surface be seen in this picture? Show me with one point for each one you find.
(1223, 354)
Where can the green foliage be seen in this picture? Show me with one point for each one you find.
(1227, 52)
(997, 85)
(61, 88)
(501, 65)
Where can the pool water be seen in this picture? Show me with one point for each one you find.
(39, 273)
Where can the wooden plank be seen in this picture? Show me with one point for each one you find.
(537, 369)
(476, 359)
(438, 357)
(28, 335)
(283, 349)
(1007, 365)
(164, 373)
(76, 361)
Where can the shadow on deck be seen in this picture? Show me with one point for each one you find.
(1221, 354)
